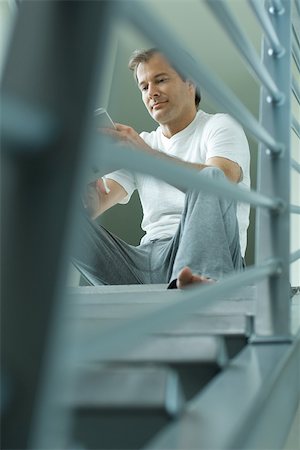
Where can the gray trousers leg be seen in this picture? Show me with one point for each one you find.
(207, 240)
(208, 237)
(103, 258)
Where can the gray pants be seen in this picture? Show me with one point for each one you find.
(207, 240)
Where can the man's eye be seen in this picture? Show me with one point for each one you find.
(144, 88)
(161, 80)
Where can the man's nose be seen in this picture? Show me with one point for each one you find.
(153, 91)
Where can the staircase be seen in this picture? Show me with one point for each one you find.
(197, 385)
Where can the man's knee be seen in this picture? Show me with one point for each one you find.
(213, 172)
(195, 196)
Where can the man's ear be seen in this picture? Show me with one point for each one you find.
(191, 86)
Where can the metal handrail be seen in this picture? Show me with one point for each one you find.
(112, 155)
(295, 165)
(294, 209)
(267, 26)
(295, 50)
(296, 89)
(239, 39)
(295, 256)
(163, 38)
(296, 126)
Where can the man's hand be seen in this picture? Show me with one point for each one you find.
(97, 199)
(92, 198)
(127, 136)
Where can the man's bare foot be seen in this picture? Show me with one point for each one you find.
(186, 278)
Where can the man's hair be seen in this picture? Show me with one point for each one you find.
(143, 56)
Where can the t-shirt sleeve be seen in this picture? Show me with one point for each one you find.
(225, 138)
(126, 179)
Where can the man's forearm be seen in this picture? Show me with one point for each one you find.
(105, 196)
(158, 154)
(128, 136)
(231, 169)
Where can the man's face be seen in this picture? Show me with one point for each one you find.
(167, 97)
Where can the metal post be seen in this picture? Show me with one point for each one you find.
(273, 230)
(297, 3)
(52, 66)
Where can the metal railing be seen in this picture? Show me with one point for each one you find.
(272, 198)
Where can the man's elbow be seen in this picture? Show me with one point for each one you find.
(233, 174)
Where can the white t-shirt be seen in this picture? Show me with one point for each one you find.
(208, 135)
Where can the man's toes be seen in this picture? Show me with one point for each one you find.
(185, 277)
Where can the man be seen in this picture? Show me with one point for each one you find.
(190, 236)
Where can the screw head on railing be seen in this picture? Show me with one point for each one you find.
(273, 10)
(280, 206)
(278, 54)
(277, 101)
(278, 152)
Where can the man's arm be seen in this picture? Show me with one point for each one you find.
(129, 136)
(231, 169)
(97, 200)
